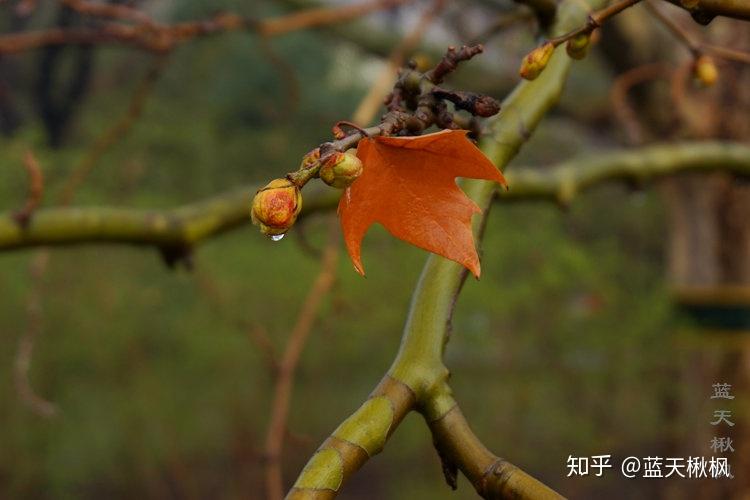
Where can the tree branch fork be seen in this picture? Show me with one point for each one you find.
(418, 378)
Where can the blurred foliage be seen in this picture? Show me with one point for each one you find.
(566, 345)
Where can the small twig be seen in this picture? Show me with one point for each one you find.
(696, 46)
(260, 336)
(152, 36)
(22, 364)
(373, 99)
(703, 11)
(726, 53)
(451, 60)
(412, 108)
(25, 8)
(217, 299)
(339, 133)
(35, 190)
(114, 134)
(675, 29)
(618, 95)
(287, 75)
(40, 263)
(594, 21)
(109, 10)
(314, 18)
(287, 367)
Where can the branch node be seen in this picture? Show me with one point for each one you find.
(175, 255)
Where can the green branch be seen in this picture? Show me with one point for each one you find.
(181, 227)
(192, 224)
(419, 363)
(566, 180)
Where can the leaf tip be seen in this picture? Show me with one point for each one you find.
(474, 267)
(359, 268)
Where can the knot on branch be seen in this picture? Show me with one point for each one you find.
(175, 255)
(495, 478)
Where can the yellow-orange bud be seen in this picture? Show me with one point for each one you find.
(536, 60)
(341, 169)
(276, 207)
(705, 71)
(578, 46)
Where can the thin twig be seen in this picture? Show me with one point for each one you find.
(25, 350)
(110, 11)
(40, 264)
(152, 36)
(696, 46)
(35, 190)
(594, 21)
(25, 8)
(314, 18)
(384, 82)
(618, 95)
(217, 299)
(412, 108)
(114, 134)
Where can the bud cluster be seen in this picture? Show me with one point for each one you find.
(415, 104)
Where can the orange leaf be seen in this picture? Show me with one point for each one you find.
(409, 186)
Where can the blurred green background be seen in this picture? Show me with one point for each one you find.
(570, 343)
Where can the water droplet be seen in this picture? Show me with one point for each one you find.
(277, 237)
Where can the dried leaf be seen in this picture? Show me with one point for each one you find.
(409, 186)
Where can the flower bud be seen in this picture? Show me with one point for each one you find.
(578, 46)
(704, 70)
(341, 169)
(276, 207)
(536, 60)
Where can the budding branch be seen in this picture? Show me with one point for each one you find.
(192, 224)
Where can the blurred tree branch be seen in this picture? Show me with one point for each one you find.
(193, 223)
(150, 35)
(382, 43)
(703, 11)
